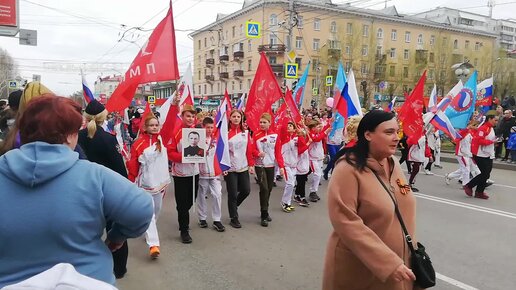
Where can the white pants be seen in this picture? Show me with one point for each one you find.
(151, 235)
(466, 168)
(437, 155)
(208, 187)
(290, 181)
(317, 173)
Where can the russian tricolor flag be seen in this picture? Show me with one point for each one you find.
(432, 102)
(88, 95)
(441, 122)
(485, 94)
(391, 104)
(222, 152)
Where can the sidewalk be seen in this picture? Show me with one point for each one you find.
(450, 157)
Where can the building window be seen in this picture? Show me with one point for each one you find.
(315, 45)
(407, 36)
(333, 27)
(273, 39)
(420, 39)
(299, 62)
(272, 60)
(233, 31)
(249, 65)
(365, 30)
(364, 50)
(205, 42)
(363, 68)
(233, 86)
(477, 46)
(379, 33)
(240, 84)
(405, 71)
(393, 52)
(199, 74)
(241, 29)
(349, 28)
(466, 44)
(249, 46)
(431, 57)
(299, 42)
(317, 24)
(248, 84)
(200, 91)
(394, 34)
(347, 66)
(199, 44)
(205, 89)
(432, 39)
(273, 20)
(455, 44)
(348, 50)
(300, 22)
(406, 54)
(379, 51)
(218, 87)
(392, 70)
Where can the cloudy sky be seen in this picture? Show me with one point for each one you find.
(75, 33)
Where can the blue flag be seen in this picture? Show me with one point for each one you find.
(462, 105)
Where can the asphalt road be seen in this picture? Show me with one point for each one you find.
(471, 242)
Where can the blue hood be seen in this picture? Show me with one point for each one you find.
(37, 162)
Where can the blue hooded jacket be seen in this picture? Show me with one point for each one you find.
(53, 209)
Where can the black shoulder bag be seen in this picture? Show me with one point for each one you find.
(419, 261)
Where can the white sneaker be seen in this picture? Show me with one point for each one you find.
(447, 179)
(428, 172)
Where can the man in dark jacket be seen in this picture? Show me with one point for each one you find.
(504, 131)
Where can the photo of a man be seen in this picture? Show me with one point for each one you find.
(193, 143)
(193, 150)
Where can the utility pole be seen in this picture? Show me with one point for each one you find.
(491, 4)
(291, 24)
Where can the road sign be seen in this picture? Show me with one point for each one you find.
(292, 55)
(13, 84)
(28, 37)
(315, 91)
(151, 99)
(291, 70)
(252, 29)
(329, 81)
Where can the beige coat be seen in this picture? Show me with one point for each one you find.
(367, 243)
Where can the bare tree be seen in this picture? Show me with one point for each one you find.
(8, 70)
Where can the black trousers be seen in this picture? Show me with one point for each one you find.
(183, 194)
(119, 256)
(429, 165)
(238, 187)
(485, 164)
(301, 184)
(265, 177)
(404, 158)
(414, 171)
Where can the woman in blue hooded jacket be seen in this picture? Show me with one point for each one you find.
(54, 206)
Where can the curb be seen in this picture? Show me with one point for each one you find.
(496, 164)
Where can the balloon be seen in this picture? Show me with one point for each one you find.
(329, 102)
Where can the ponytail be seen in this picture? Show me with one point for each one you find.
(94, 121)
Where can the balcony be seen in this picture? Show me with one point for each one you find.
(334, 52)
(209, 78)
(210, 61)
(238, 55)
(223, 75)
(277, 68)
(238, 73)
(272, 48)
(380, 57)
(224, 57)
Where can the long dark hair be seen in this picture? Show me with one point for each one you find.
(357, 155)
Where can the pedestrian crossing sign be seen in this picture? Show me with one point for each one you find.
(13, 84)
(151, 99)
(252, 29)
(329, 81)
(291, 70)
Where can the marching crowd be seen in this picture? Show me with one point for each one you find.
(280, 149)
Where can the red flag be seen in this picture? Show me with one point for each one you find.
(294, 111)
(228, 101)
(146, 113)
(156, 61)
(263, 93)
(413, 111)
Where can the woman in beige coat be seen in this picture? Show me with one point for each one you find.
(367, 249)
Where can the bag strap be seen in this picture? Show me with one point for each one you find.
(408, 238)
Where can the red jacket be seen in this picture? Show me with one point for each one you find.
(143, 142)
(480, 137)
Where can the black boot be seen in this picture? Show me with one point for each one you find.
(263, 217)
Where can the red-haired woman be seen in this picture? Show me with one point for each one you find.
(68, 199)
(148, 168)
(242, 163)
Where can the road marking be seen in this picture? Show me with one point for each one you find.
(467, 205)
(494, 184)
(454, 282)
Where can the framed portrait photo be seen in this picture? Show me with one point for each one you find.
(193, 143)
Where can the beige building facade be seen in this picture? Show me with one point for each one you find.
(386, 51)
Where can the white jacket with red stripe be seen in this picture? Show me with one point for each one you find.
(210, 168)
(265, 141)
(240, 149)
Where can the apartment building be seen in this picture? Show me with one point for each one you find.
(386, 50)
